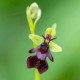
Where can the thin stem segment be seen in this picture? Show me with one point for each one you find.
(37, 75)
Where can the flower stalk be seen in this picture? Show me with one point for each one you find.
(33, 12)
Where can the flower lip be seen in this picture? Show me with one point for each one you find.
(44, 48)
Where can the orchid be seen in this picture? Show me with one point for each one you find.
(44, 46)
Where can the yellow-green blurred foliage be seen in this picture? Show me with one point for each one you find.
(14, 42)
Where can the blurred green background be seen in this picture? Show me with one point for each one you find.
(14, 41)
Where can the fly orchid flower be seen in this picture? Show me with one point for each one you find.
(44, 46)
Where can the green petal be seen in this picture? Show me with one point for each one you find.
(54, 47)
(36, 39)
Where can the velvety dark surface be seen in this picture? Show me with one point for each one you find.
(14, 41)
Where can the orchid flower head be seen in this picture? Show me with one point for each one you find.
(43, 49)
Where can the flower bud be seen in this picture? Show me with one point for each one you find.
(35, 11)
